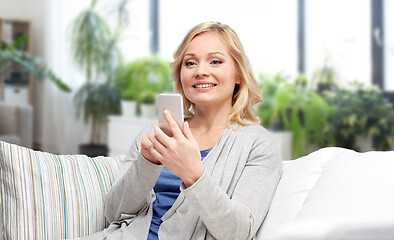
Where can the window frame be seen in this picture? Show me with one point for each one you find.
(301, 36)
(154, 26)
(378, 47)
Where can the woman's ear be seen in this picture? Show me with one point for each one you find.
(238, 80)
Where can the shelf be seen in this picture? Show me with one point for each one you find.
(15, 79)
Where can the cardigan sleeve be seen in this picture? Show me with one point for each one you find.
(241, 215)
(130, 191)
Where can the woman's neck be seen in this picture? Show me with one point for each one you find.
(208, 118)
(208, 125)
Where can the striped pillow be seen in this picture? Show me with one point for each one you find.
(47, 196)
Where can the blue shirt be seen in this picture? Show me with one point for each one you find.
(167, 189)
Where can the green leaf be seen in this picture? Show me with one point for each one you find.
(10, 57)
(20, 41)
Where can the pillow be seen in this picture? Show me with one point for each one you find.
(298, 178)
(353, 186)
(47, 196)
(352, 199)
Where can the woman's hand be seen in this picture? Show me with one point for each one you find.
(147, 147)
(179, 153)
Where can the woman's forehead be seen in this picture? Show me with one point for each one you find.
(208, 43)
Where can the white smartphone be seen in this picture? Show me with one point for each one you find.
(174, 103)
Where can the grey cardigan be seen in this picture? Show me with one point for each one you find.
(229, 201)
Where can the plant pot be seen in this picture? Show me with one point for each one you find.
(128, 108)
(93, 150)
(364, 143)
(283, 140)
(277, 126)
(321, 87)
(148, 110)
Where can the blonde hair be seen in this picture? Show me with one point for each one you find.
(246, 94)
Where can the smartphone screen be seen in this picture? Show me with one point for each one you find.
(174, 103)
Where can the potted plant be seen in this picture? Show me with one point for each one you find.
(94, 49)
(268, 109)
(325, 77)
(127, 90)
(141, 80)
(296, 108)
(305, 113)
(148, 107)
(144, 78)
(361, 112)
(269, 115)
(11, 55)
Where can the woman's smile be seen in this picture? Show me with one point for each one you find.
(204, 86)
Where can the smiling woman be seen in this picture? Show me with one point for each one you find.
(215, 176)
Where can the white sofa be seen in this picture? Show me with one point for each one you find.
(333, 193)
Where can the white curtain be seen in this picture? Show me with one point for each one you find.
(61, 132)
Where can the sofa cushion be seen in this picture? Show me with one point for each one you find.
(298, 179)
(48, 196)
(352, 199)
(353, 186)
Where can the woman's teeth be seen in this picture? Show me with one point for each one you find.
(204, 85)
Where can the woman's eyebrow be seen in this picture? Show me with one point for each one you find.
(190, 54)
(215, 53)
(209, 54)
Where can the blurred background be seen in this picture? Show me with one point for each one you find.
(325, 67)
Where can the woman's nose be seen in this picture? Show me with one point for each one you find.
(201, 71)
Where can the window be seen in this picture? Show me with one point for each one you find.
(338, 34)
(135, 41)
(389, 45)
(267, 29)
(343, 34)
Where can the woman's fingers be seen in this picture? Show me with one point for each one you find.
(187, 132)
(174, 127)
(145, 142)
(156, 154)
(160, 140)
(146, 147)
(180, 153)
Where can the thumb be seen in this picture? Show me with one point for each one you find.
(186, 131)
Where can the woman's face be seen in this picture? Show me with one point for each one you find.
(208, 73)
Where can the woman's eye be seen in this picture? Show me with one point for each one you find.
(189, 63)
(217, 62)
